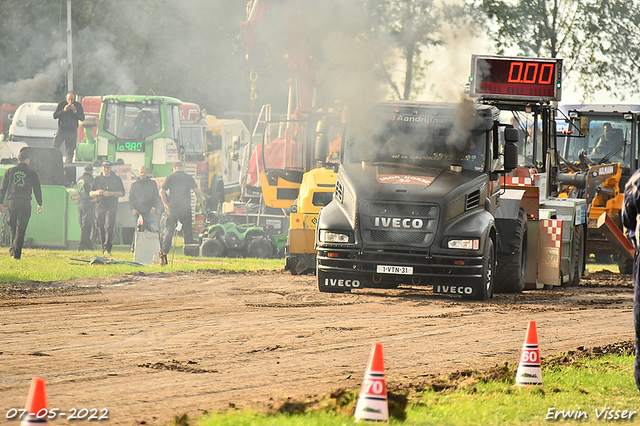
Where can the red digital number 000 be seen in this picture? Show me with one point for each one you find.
(530, 73)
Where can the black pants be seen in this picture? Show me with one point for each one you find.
(106, 223)
(169, 230)
(636, 316)
(69, 137)
(87, 219)
(19, 214)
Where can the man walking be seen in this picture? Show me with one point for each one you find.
(106, 188)
(630, 210)
(86, 208)
(17, 185)
(68, 113)
(143, 199)
(176, 196)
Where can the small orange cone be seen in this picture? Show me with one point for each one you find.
(372, 403)
(36, 405)
(529, 372)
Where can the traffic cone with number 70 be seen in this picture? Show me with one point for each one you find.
(529, 371)
(36, 406)
(372, 403)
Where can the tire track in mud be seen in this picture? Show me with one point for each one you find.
(152, 346)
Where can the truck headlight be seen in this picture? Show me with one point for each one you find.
(464, 244)
(333, 237)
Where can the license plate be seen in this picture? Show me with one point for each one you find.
(402, 270)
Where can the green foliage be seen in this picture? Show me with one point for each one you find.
(173, 48)
(412, 26)
(599, 40)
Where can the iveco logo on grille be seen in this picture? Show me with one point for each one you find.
(397, 222)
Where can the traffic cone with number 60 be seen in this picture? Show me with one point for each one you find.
(372, 403)
(529, 372)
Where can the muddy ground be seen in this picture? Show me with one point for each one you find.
(150, 347)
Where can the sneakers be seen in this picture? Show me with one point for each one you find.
(106, 252)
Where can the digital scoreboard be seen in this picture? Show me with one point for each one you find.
(129, 146)
(501, 77)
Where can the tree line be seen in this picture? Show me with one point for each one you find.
(196, 50)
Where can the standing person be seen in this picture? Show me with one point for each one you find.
(143, 199)
(17, 184)
(106, 188)
(176, 196)
(68, 113)
(86, 208)
(630, 210)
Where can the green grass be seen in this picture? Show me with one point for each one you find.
(56, 265)
(584, 386)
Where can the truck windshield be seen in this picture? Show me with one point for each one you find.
(608, 139)
(132, 120)
(193, 139)
(426, 144)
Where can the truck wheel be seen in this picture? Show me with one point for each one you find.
(260, 248)
(625, 265)
(290, 264)
(485, 290)
(216, 198)
(511, 268)
(577, 255)
(212, 248)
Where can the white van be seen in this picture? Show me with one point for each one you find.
(33, 123)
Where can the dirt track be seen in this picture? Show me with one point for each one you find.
(149, 347)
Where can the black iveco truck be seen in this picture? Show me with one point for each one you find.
(417, 200)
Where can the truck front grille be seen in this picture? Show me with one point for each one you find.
(398, 237)
(397, 224)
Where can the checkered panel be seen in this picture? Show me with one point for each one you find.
(553, 227)
(518, 181)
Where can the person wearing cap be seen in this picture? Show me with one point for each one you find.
(17, 185)
(107, 187)
(68, 113)
(176, 196)
(143, 199)
(86, 208)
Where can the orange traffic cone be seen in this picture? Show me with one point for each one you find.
(36, 405)
(529, 372)
(372, 403)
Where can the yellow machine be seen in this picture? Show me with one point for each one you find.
(599, 176)
(316, 191)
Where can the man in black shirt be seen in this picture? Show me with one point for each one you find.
(143, 199)
(106, 188)
(86, 208)
(176, 196)
(68, 113)
(17, 185)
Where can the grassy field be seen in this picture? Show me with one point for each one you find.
(59, 265)
(595, 390)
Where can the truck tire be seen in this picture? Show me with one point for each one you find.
(260, 248)
(212, 248)
(511, 268)
(216, 198)
(485, 289)
(577, 256)
(625, 264)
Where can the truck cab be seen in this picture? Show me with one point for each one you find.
(416, 200)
